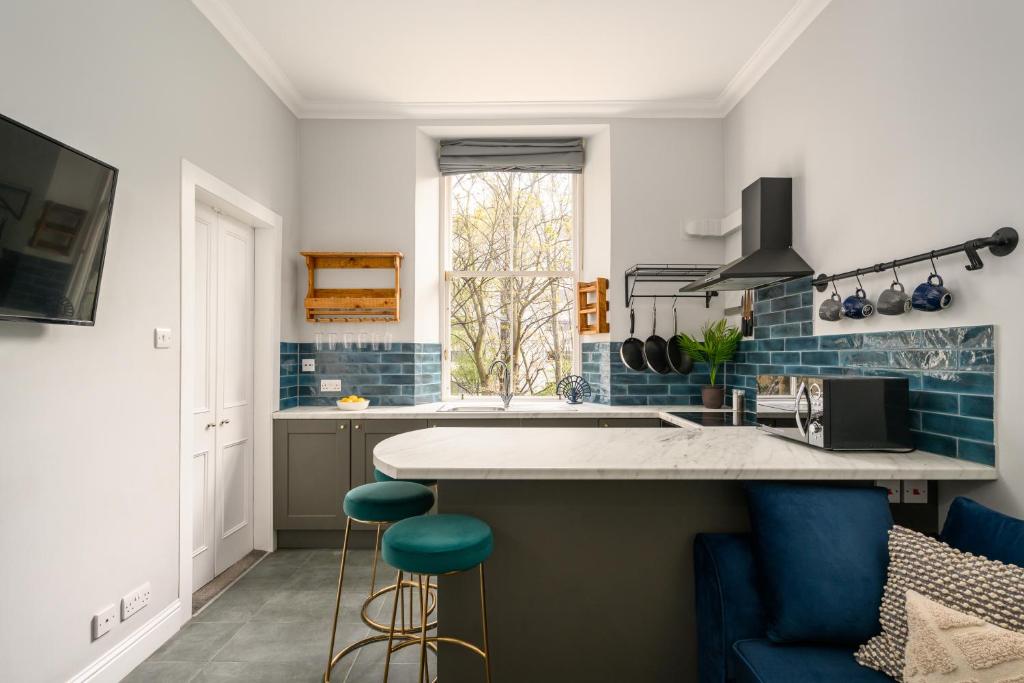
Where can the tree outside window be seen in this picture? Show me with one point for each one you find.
(510, 287)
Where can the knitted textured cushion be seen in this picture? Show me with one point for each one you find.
(947, 646)
(989, 590)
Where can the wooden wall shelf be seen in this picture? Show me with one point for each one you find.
(363, 305)
(592, 300)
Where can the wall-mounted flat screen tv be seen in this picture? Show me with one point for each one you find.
(55, 205)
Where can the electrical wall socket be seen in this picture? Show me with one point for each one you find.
(135, 600)
(893, 487)
(915, 491)
(330, 385)
(103, 621)
(309, 364)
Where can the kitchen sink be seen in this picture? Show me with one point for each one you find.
(547, 407)
(448, 408)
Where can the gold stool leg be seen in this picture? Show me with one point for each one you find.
(391, 633)
(376, 553)
(337, 600)
(424, 598)
(483, 615)
(423, 627)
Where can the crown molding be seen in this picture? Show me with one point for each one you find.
(510, 109)
(796, 21)
(774, 46)
(230, 25)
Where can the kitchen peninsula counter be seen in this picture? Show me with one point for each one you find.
(591, 578)
(689, 452)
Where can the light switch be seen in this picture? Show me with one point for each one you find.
(162, 338)
(309, 364)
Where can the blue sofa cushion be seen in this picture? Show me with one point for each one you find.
(729, 607)
(979, 530)
(822, 553)
(762, 661)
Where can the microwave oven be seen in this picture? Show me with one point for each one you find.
(837, 413)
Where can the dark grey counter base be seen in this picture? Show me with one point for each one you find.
(590, 580)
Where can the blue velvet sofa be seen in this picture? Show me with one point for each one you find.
(733, 620)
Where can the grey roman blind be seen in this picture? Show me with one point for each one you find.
(529, 155)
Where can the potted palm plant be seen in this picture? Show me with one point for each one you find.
(718, 346)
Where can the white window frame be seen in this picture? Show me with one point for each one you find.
(447, 274)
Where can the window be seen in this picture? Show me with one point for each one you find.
(510, 281)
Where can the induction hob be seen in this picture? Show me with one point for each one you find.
(723, 418)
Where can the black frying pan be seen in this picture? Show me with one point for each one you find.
(656, 349)
(632, 350)
(678, 359)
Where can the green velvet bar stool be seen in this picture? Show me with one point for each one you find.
(437, 545)
(431, 587)
(378, 504)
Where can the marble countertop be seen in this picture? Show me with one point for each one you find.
(691, 452)
(518, 409)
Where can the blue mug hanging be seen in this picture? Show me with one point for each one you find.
(858, 305)
(932, 295)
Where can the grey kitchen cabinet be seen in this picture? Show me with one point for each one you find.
(633, 422)
(312, 472)
(560, 422)
(366, 434)
(317, 461)
(477, 422)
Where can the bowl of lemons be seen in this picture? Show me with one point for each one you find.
(353, 402)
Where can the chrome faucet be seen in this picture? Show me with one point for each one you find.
(506, 382)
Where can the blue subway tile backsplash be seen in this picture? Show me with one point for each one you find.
(950, 370)
(398, 374)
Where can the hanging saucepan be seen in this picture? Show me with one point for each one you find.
(678, 359)
(656, 348)
(632, 350)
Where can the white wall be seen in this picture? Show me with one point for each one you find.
(357, 189)
(89, 415)
(900, 123)
(366, 185)
(427, 225)
(664, 173)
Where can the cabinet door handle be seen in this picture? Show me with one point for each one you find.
(225, 421)
(341, 427)
(355, 427)
(210, 424)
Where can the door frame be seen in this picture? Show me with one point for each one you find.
(197, 184)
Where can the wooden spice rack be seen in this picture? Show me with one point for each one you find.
(592, 300)
(363, 305)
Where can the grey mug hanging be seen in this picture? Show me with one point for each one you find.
(894, 301)
(831, 309)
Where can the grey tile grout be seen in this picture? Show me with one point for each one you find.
(249, 620)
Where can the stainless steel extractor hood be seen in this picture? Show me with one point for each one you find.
(767, 235)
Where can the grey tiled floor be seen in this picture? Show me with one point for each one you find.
(273, 625)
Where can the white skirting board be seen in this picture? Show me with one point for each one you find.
(118, 661)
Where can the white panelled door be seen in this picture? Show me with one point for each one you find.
(222, 472)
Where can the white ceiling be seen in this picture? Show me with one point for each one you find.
(465, 58)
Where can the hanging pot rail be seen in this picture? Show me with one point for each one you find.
(1002, 242)
(667, 272)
